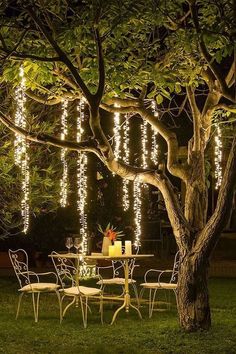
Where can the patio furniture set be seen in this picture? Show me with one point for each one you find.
(70, 270)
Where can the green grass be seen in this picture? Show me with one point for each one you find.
(129, 334)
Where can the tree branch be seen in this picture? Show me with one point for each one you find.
(196, 118)
(51, 101)
(64, 58)
(216, 70)
(46, 139)
(101, 68)
(211, 232)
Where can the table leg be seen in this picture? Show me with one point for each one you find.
(127, 303)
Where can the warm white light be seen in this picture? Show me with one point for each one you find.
(144, 144)
(125, 182)
(82, 179)
(64, 179)
(117, 137)
(154, 150)
(137, 212)
(218, 157)
(21, 149)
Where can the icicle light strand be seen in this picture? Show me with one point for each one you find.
(144, 144)
(64, 179)
(218, 157)
(117, 137)
(82, 179)
(137, 213)
(21, 150)
(155, 147)
(125, 182)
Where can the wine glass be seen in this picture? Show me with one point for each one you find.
(77, 244)
(69, 243)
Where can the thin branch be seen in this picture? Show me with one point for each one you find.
(46, 139)
(216, 70)
(19, 55)
(101, 68)
(211, 232)
(64, 58)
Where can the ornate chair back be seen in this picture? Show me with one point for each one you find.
(19, 261)
(174, 276)
(66, 270)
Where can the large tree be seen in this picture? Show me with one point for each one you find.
(125, 54)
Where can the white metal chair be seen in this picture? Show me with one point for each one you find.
(30, 281)
(117, 272)
(70, 273)
(159, 284)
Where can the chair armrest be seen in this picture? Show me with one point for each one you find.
(164, 272)
(151, 271)
(37, 275)
(49, 273)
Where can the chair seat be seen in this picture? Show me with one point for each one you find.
(171, 286)
(84, 290)
(40, 287)
(118, 281)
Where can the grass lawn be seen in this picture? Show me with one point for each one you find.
(129, 334)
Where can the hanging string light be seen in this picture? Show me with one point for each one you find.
(218, 157)
(137, 212)
(21, 149)
(117, 136)
(125, 182)
(64, 179)
(82, 179)
(144, 144)
(154, 149)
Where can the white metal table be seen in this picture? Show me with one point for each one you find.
(125, 259)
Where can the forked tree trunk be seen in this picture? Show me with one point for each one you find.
(192, 295)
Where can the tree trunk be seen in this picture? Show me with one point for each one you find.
(192, 294)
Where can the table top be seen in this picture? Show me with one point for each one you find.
(99, 256)
(123, 256)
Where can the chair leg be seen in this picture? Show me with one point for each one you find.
(101, 308)
(37, 305)
(34, 308)
(150, 303)
(59, 302)
(69, 305)
(86, 312)
(153, 301)
(19, 303)
(82, 310)
(136, 294)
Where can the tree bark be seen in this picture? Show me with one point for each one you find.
(192, 294)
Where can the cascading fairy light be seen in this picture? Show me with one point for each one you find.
(117, 137)
(82, 179)
(21, 149)
(154, 150)
(218, 156)
(144, 144)
(137, 212)
(64, 179)
(126, 201)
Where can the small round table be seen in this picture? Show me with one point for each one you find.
(125, 260)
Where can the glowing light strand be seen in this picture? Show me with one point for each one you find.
(82, 179)
(21, 150)
(64, 179)
(125, 182)
(218, 157)
(117, 136)
(144, 144)
(155, 147)
(137, 212)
